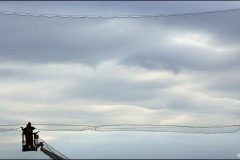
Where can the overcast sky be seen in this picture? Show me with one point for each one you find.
(173, 70)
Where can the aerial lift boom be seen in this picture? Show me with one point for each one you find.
(44, 147)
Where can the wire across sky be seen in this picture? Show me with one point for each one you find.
(210, 129)
(117, 16)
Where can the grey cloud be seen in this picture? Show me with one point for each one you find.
(116, 89)
(53, 70)
(218, 84)
(44, 41)
(60, 41)
(135, 43)
(224, 33)
(107, 84)
(191, 58)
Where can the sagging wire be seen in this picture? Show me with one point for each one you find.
(155, 128)
(8, 130)
(210, 129)
(117, 16)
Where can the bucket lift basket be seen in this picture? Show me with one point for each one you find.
(36, 143)
(49, 151)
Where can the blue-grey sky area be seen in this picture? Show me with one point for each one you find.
(179, 70)
(94, 145)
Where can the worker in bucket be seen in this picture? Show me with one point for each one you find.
(28, 132)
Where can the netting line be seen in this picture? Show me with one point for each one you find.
(118, 16)
(8, 129)
(214, 129)
(210, 129)
(64, 124)
(53, 150)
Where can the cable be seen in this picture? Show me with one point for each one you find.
(64, 129)
(208, 129)
(12, 124)
(213, 129)
(8, 130)
(118, 16)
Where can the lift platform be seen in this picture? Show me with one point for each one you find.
(44, 147)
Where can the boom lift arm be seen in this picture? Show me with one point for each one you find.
(50, 154)
(44, 147)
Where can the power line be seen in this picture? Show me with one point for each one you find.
(126, 124)
(12, 124)
(8, 130)
(207, 129)
(117, 16)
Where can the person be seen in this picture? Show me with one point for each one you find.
(28, 132)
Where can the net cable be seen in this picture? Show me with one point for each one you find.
(116, 16)
(207, 129)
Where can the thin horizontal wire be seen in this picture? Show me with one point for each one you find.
(137, 127)
(12, 124)
(170, 131)
(117, 16)
(144, 130)
(153, 128)
(147, 125)
(61, 129)
(52, 124)
(126, 124)
(8, 130)
(188, 126)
